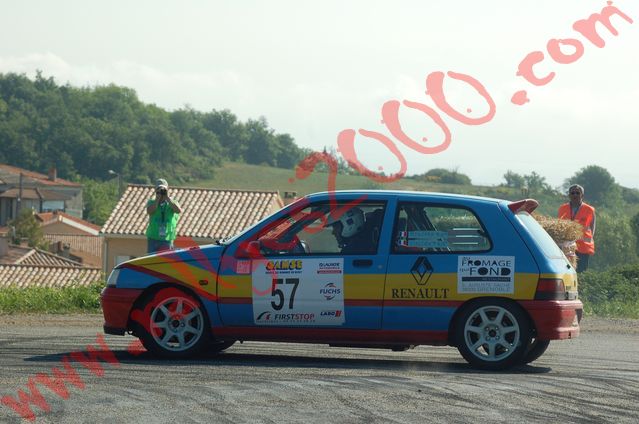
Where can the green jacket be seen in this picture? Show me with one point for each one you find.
(164, 216)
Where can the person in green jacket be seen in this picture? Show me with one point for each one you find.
(164, 213)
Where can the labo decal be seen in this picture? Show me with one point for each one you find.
(486, 274)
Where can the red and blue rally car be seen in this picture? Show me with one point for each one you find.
(387, 269)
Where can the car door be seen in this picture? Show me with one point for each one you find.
(427, 243)
(306, 277)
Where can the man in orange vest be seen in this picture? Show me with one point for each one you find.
(583, 213)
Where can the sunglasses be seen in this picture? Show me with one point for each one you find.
(575, 192)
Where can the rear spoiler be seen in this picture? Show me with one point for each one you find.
(525, 205)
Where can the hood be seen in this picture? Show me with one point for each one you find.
(208, 253)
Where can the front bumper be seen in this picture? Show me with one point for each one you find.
(555, 319)
(116, 307)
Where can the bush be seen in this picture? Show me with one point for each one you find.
(614, 292)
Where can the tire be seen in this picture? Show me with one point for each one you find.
(492, 334)
(535, 350)
(173, 324)
(216, 346)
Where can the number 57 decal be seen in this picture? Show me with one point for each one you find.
(275, 291)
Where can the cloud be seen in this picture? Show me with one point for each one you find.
(168, 89)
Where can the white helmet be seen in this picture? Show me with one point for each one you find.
(352, 221)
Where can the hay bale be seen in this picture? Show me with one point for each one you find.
(564, 232)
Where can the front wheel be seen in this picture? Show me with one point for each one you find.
(492, 334)
(173, 324)
(216, 346)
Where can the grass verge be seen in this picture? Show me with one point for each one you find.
(51, 300)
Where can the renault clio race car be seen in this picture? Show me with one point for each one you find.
(384, 269)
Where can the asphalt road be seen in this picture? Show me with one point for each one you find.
(594, 378)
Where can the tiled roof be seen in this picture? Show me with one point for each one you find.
(34, 194)
(84, 243)
(48, 218)
(22, 255)
(11, 175)
(40, 257)
(47, 276)
(14, 253)
(207, 213)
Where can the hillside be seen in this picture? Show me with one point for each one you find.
(254, 177)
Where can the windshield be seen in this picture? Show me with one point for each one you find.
(545, 242)
(229, 240)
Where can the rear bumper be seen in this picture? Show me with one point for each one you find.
(116, 307)
(555, 319)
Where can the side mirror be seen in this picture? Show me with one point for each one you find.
(250, 250)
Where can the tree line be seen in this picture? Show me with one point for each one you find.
(85, 132)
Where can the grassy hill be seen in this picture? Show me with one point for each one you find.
(234, 175)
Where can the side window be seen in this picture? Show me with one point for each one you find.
(316, 231)
(424, 228)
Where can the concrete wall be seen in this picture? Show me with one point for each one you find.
(123, 247)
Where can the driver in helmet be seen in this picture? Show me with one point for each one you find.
(348, 231)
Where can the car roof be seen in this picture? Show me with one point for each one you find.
(402, 194)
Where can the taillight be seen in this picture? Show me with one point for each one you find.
(550, 289)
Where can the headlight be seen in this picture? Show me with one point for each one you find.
(113, 278)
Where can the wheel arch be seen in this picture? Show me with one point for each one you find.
(452, 325)
(151, 291)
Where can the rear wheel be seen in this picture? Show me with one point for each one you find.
(492, 334)
(173, 324)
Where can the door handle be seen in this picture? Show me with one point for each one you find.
(362, 263)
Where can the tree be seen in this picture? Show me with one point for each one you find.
(536, 183)
(634, 224)
(27, 227)
(599, 185)
(615, 242)
(446, 176)
(99, 199)
(514, 180)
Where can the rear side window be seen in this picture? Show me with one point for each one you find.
(427, 228)
(545, 242)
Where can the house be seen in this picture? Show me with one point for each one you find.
(58, 222)
(22, 266)
(36, 191)
(72, 237)
(209, 214)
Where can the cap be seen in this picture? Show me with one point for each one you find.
(578, 187)
(161, 183)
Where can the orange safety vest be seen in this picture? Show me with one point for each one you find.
(585, 216)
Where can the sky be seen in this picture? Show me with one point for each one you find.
(314, 69)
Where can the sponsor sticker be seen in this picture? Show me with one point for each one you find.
(486, 274)
(243, 267)
(298, 292)
(424, 239)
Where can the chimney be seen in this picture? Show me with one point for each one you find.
(66, 249)
(4, 246)
(53, 173)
